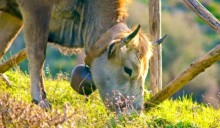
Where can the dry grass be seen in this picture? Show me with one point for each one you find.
(19, 114)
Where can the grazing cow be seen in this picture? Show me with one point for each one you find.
(117, 56)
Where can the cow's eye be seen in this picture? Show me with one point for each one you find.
(128, 71)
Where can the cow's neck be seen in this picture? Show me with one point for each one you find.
(100, 15)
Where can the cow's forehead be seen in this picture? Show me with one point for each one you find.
(140, 45)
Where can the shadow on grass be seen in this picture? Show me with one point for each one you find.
(160, 122)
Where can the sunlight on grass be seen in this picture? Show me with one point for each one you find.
(73, 110)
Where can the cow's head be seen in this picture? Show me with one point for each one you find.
(119, 73)
(120, 70)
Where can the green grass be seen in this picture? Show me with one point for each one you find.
(73, 110)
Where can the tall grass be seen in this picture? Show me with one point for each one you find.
(73, 110)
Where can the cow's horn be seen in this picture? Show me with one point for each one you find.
(126, 40)
(160, 40)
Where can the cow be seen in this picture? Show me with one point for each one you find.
(116, 55)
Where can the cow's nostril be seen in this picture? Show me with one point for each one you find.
(124, 106)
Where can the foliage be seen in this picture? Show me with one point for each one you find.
(73, 110)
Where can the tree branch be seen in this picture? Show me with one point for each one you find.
(204, 14)
(5, 66)
(194, 69)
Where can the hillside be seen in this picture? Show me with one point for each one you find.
(73, 110)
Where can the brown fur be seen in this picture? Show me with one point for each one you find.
(122, 10)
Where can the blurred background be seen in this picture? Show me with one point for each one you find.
(189, 38)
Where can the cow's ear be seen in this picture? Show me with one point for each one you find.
(112, 50)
